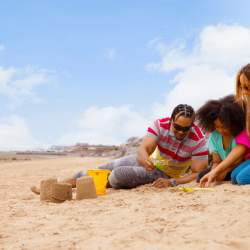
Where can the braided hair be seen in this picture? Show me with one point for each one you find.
(183, 110)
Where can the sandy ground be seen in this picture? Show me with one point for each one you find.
(142, 218)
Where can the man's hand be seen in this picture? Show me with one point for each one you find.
(148, 165)
(162, 183)
(209, 179)
(146, 148)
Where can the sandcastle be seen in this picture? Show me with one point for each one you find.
(57, 192)
(62, 191)
(52, 191)
(85, 188)
(46, 189)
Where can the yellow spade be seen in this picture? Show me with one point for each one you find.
(191, 190)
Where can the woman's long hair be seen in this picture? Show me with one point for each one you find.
(239, 90)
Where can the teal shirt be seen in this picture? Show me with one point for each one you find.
(215, 145)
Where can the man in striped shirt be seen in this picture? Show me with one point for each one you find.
(172, 152)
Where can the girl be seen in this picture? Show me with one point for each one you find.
(223, 119)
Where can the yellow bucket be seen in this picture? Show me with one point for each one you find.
(100, 177)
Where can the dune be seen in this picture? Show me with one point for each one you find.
(141, 218)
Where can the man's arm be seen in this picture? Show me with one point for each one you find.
(146, 148)
(197, 166)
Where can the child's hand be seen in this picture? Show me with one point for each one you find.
(208, 179)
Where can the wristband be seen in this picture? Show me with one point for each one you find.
(173, 182)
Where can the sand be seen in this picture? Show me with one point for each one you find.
(142, 218)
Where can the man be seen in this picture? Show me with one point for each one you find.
(176, 143)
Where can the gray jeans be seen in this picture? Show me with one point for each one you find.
(127, 173)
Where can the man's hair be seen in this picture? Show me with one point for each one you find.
(183, 110)
(227, 110)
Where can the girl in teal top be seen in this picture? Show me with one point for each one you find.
(223, 119)
(215, 144)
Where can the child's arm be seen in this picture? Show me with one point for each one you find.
(228, 163)
(234, 156)
(216, 160)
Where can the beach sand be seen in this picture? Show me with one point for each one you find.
(142, 218)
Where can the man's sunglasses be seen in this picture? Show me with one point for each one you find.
(180, 128)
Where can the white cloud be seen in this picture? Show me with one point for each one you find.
(205, 71)
(15, 134)
(106, 125)
(20, 84)
(208, 70)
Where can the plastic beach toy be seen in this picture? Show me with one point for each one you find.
(191, 190)
(171, 168)
(100, 177)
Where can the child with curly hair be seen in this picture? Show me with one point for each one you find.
(223, 119)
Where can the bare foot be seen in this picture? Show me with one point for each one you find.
(35, 190)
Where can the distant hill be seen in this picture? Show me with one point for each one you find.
(88, 150)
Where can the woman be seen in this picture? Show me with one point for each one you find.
(243, 92)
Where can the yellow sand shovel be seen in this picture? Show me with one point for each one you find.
(191, 190)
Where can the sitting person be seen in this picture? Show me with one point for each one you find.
(223, 119)
(240, 174)
(176, 142)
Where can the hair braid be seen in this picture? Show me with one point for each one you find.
(183, 110)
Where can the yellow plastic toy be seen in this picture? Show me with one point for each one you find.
(191, 190)
(100, 177)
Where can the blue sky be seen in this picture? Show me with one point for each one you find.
(101, 71)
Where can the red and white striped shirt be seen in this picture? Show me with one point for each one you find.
(192, 147)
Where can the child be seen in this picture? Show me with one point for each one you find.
(224, 119)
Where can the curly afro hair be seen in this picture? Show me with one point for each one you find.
(227, 110)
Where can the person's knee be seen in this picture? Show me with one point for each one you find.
(122, 177)
(233, 177)
(243, 179)
(113, 180)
